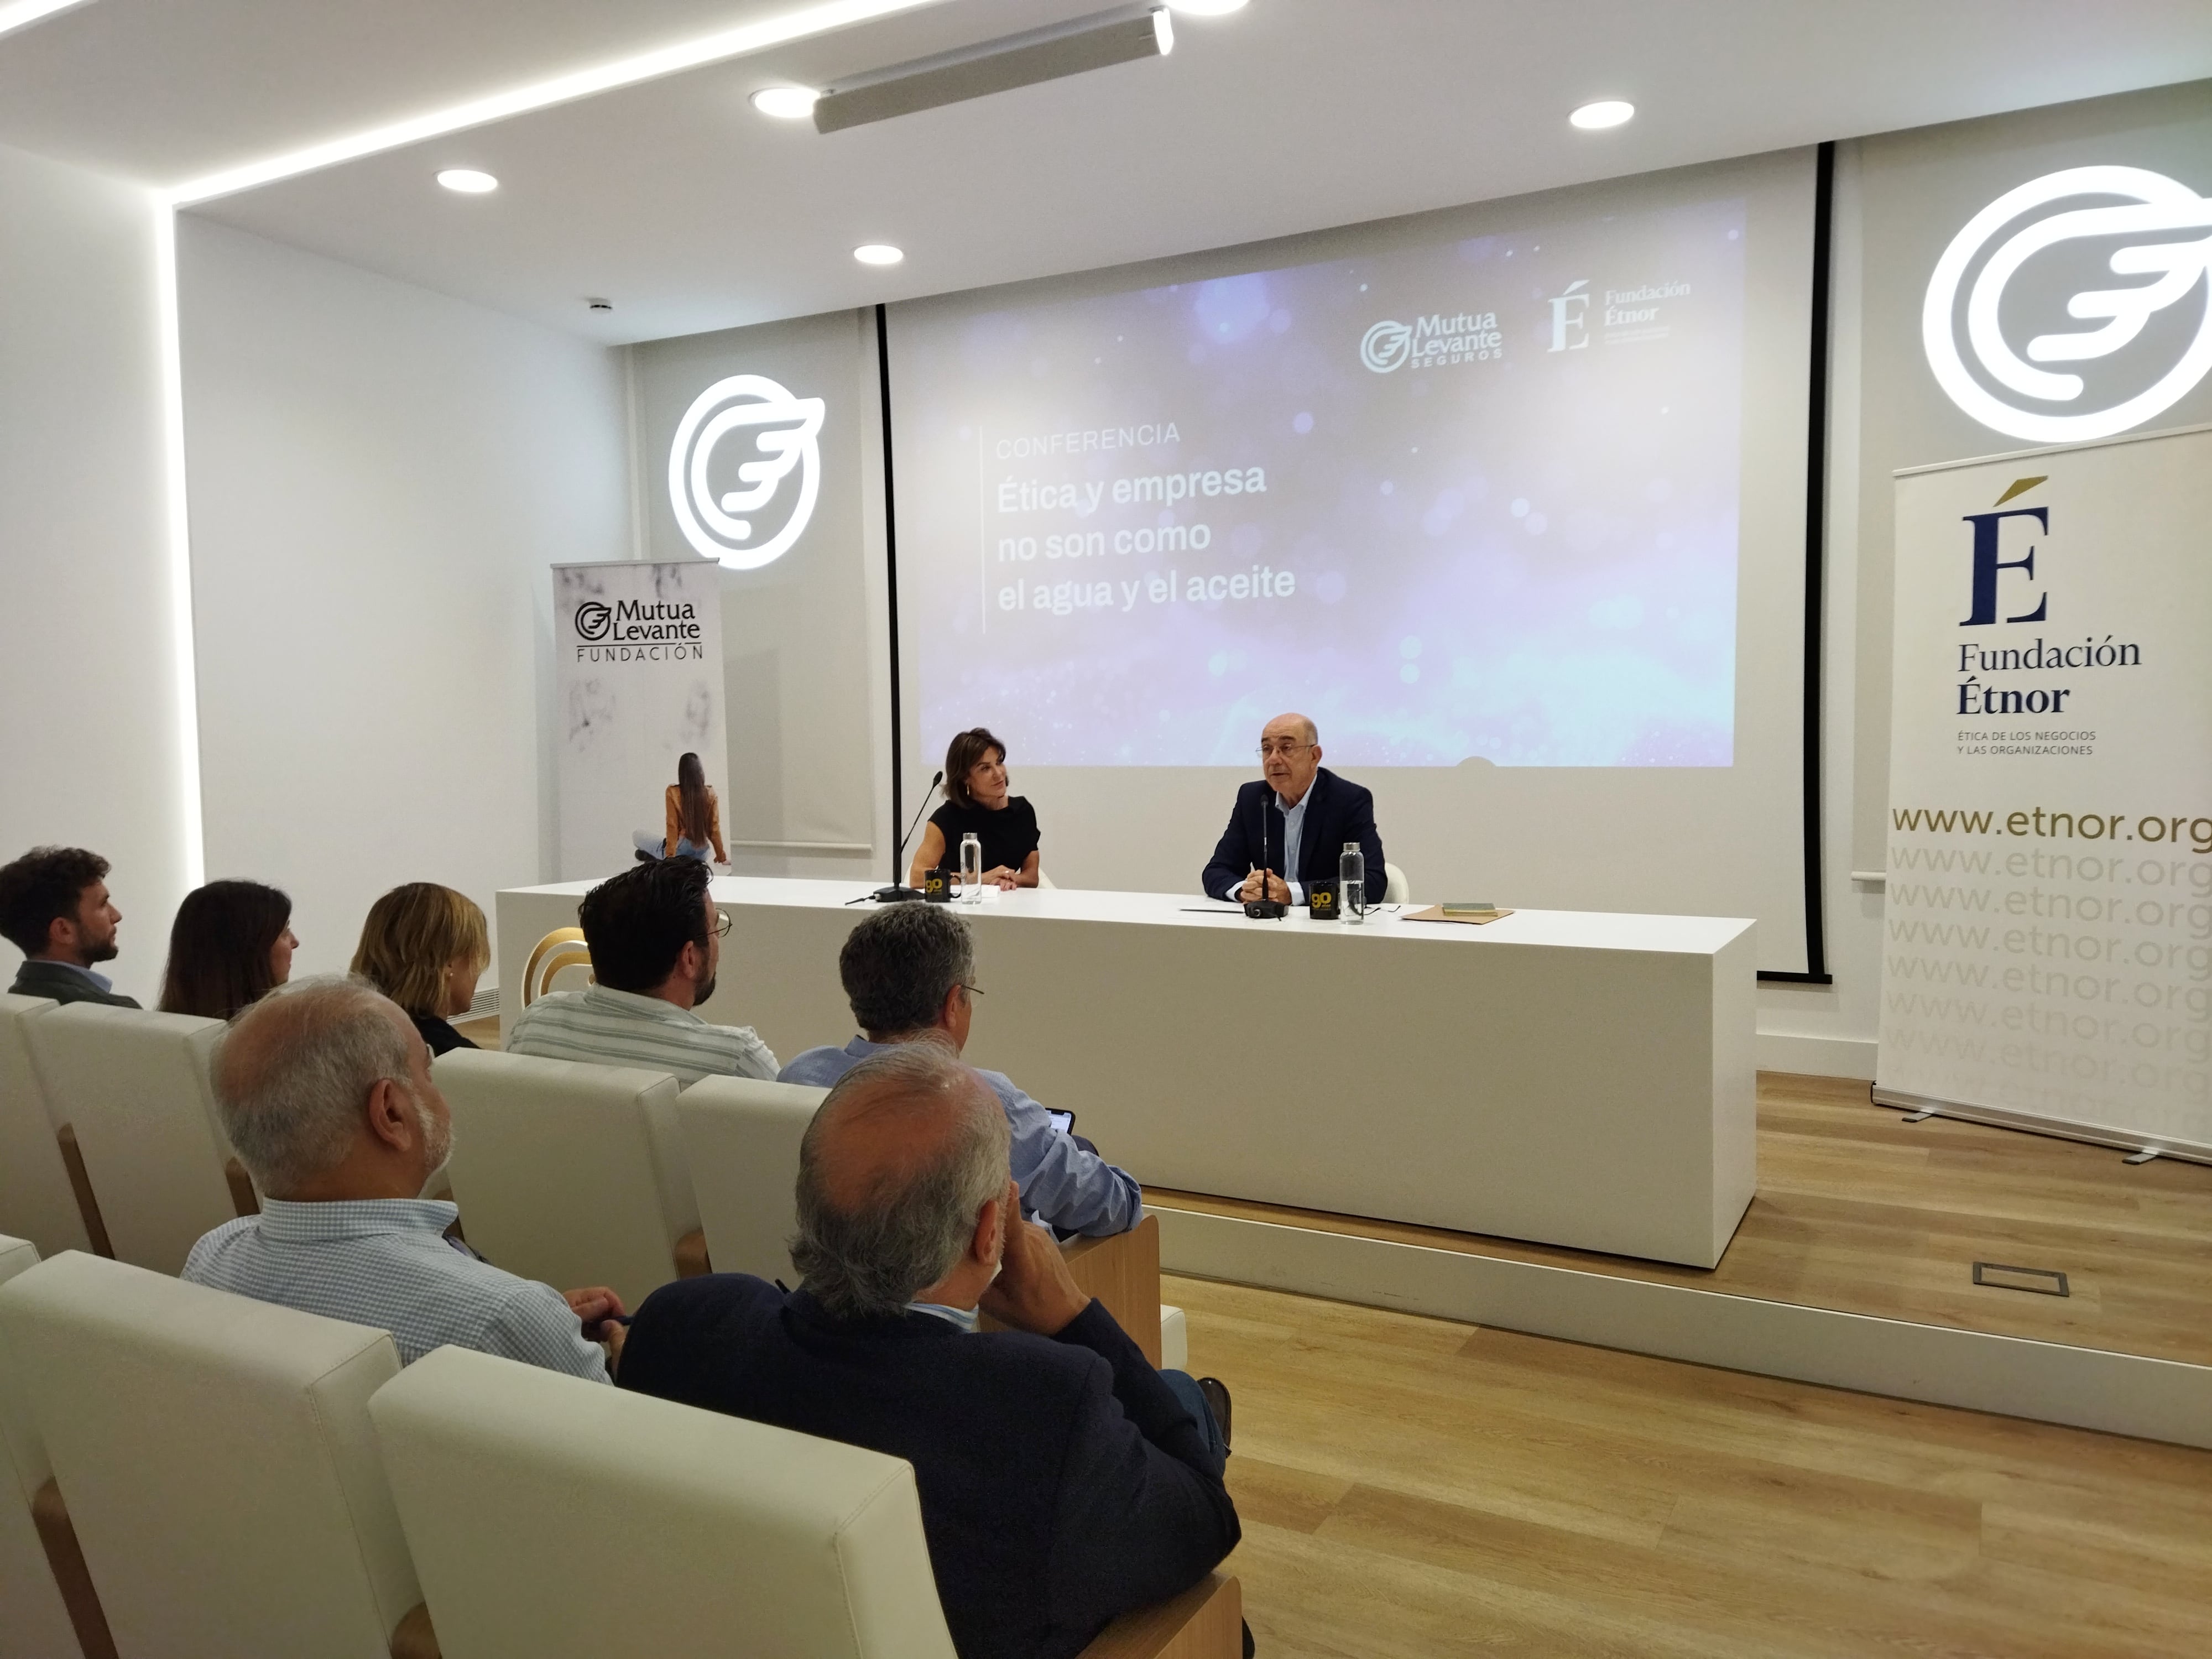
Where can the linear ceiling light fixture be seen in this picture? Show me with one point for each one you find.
(23, 13)
(1121, 36)
(799, 25)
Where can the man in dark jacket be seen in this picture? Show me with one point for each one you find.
(54, 909)
(1063, 1480)
(1289, 826)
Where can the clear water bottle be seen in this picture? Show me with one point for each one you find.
(971, 866)
(1351, 883)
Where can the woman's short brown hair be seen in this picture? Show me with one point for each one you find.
(961, 757)
(413, 933)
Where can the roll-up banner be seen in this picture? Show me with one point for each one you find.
(2048, 959)
(638, 683)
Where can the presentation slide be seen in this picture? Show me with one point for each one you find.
(1471, 500)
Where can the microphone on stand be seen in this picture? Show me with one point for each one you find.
(900, 894)
(1264, 908)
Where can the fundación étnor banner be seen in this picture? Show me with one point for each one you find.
(2048, 954)
(638, 682)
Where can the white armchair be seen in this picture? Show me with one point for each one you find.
(133, 1085)
(725, 1535)
(42, 1617)
(571, 1174)
(741, 1137)
(215, 1456)
(38, 1201)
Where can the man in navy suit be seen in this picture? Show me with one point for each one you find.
(1063, 1480)
(1289, 828)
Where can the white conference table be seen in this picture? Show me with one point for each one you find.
(1567, 1077)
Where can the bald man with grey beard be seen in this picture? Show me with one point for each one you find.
(1063, 1480)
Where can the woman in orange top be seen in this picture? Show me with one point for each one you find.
(695, 816)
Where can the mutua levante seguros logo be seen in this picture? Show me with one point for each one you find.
(1436, 341)
(1995, 323)
(726, 523)
(2005, 589)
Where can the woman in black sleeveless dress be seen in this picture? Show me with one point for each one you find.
(977, 803)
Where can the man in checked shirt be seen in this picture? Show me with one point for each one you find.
(324, 1088)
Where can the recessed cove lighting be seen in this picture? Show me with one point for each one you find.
(780, 29)
(24, 13)
(468, 181)
(878, 254)
(1606, 112)
(785, 103)
(1206, 7)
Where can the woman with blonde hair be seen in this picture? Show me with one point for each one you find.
(425, 946)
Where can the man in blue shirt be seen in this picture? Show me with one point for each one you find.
(325, 1090)
(909, 973)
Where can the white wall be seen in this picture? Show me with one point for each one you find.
(379, 477)
(806, 649)
(1900, 198)
(89, 749)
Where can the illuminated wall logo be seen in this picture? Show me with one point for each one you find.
(2010, 392)
(786, 434)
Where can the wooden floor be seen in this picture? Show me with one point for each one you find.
(1412, 1488)
(1860, 1211)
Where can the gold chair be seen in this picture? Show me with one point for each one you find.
(564, 947)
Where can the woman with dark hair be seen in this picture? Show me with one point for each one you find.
(425, 946)
(231, 945)
(977, 803)
(694, 818)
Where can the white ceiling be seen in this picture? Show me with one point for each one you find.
(690, 211)
(166, 90)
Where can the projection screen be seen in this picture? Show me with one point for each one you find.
(1509, 499)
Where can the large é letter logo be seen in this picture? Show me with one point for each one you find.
(1987, 564)
(1567, 319)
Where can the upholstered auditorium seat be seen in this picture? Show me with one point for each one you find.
(36, 1200)
(133, 1085)
(217, 1462)
(570, 1173)
(563, 1521)
(34, 1616)
(741, 1137)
